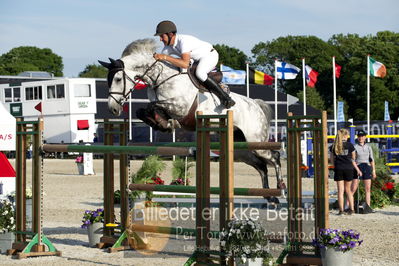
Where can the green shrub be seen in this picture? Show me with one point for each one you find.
(150, 168)
(180, 172)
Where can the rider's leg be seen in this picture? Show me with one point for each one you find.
(205, 65)
(225, 99)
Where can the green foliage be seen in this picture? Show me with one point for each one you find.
(351, 53)
(352, 85)
(94, 71)
(180, 172)
(245, 239)
(231, 57)
(30, 58)
(396, 194)
(292, 49)
(379, 161)
(7, 216)
(313, 98)
(150, 168)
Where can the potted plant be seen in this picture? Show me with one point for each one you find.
(7, 225)
(79, 163)
(246, 241)
(336, 246)
(148, 174)
(180, 172)
(28, 197)
(93, 221)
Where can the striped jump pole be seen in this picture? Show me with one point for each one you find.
(216, 145)
(106, 149)
(263, 192)
(169, 230)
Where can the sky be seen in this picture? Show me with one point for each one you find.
(84, 31)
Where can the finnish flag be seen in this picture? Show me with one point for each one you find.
(286, 71)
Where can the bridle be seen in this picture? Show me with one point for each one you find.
(136, 80)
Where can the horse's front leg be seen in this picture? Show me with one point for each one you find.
(153, 119)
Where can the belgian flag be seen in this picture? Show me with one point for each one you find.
(258, 77)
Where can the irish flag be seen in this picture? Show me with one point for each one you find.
(377, 69)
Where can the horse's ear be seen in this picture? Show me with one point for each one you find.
(105, 64)
(111, 60)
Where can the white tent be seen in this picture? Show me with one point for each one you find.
(7, 130)
(7, 143)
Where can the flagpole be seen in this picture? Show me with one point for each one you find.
(304, 86)
(247, 78)
(368, 95)
(130, 116)
(275, 100)
(334, 96)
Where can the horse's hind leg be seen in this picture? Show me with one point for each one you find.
(256, 162)
(276, 163)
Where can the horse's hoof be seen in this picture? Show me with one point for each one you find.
(273, 200)
(173, 124)
(228, 103)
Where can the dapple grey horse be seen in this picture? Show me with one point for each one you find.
(173, 97)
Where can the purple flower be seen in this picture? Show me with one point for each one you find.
(352, 244)
(334, 240)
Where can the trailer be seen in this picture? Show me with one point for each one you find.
(67, 105)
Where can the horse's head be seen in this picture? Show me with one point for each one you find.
(126, 73)
(118, 90)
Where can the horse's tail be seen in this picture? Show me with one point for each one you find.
(267, 110)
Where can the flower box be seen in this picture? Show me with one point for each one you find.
(335, 256)
(6, 240)
(246, 241)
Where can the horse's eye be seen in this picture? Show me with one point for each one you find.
(118, 79)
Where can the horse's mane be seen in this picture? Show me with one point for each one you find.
(142, 46)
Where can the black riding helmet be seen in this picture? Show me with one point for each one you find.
(165, 26)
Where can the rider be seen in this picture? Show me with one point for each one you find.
(187, 47)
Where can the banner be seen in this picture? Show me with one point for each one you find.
(340, 116)
(386, 114)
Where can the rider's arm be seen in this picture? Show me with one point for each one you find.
(182, 62)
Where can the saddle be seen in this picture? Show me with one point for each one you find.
(216, 76)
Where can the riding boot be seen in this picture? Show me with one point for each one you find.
(224, 98)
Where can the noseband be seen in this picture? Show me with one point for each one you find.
(120, 66)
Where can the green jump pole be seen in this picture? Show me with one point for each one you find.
(214, 190)
(216, 145)
(119, 149)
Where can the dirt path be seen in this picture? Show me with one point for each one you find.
(67, 195)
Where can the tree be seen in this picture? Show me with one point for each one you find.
(313, 98)
(231, 56)
(94, 71)
(352, 85)
(292, 49)
(351, 53)
(30, 58)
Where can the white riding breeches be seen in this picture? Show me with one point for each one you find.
(206, 64)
